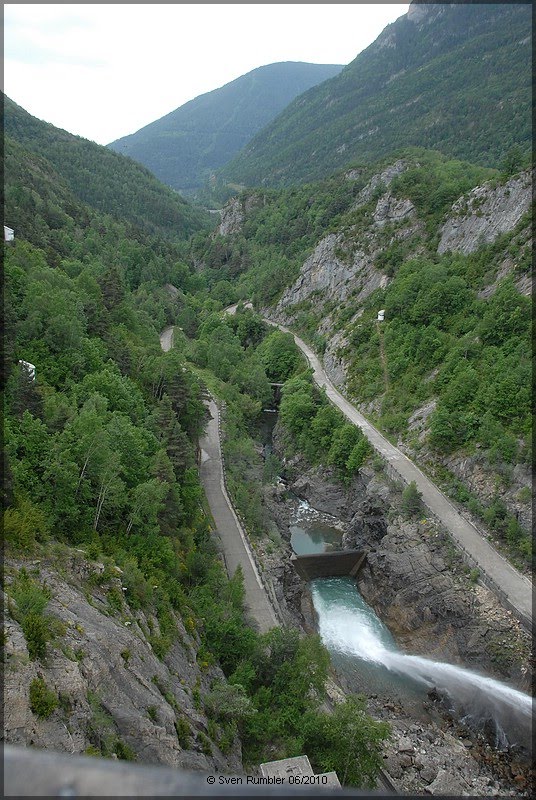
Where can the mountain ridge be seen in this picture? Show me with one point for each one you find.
(451, 78)
(106, 181)
(183, 147)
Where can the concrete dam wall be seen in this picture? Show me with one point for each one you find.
(340, 563)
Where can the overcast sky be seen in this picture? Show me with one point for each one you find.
(103, 71)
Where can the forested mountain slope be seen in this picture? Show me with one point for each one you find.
(452, 77)
(125, 638)
(444, 247)
(104, 180)
(185, 147)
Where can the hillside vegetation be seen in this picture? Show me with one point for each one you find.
(184, 148)
(455, 78)
(105, 522)
(106, 181)
(456, 339)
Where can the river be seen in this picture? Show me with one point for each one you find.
(365, 654)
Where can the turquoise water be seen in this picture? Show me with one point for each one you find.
(365, 654)
(315, 539)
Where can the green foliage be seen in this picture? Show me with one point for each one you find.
(183, 731)
(279, 356)
(438, 86)
(348, 741)
(185, 147)
(320, 430)
(32, 600)
(411, 500)
(25, 525)
(43, 701)
(99, 177)
(229, 702)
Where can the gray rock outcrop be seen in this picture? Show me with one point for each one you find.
(110, 683)
(487, 211)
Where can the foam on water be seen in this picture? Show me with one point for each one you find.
(348, 626)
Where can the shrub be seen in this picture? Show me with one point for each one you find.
(204, 741)
(411, 500)
(43, 700)
(227, 702)
(25, 525)
(31, 601)
(183, 731)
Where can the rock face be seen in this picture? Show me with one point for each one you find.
(431, 608)
(234, 213)
(483, 214)
(381, 179)
(516, 492)
(391, 209)
(111, 685)
(343, 264)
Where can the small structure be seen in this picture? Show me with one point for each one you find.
(28, 368)
(381, 315)
(9, 234)
(291, 770)
(334, 564)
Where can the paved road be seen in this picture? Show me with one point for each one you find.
(234, 543)
(233, 538)
(516, 588)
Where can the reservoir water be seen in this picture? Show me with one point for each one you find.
(365, 654)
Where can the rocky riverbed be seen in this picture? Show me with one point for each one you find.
(419, 586)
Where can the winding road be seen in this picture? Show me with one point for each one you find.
(234, 542)
(512, 588)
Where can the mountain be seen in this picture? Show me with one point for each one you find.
(450, 77)
(183, 148)
(106, 181)
(444, 248)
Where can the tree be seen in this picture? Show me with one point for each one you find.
(279, 356)
(348, 741)
(229, 703)
(146, 503)
(344, 440)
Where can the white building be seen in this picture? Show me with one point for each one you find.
(381, 315)
(28, 368)
(9, 234)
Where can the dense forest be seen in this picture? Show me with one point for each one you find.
(457, 80)
(99, 177)
(100, 454)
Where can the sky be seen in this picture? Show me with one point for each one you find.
(103, 71)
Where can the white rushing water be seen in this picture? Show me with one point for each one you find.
(350, 629)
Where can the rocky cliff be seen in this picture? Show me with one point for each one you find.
(415, 579)
(482, 215)
(109, 691)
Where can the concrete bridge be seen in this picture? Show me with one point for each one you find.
(339, 563)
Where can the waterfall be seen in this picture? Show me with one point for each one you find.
(349, 628)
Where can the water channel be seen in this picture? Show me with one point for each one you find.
(365, 654)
